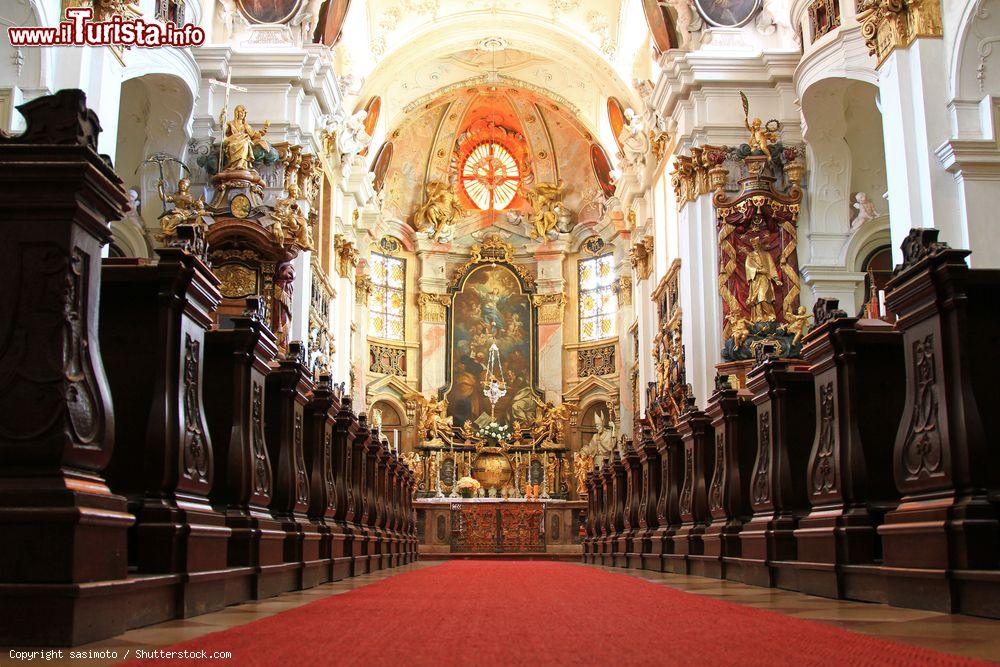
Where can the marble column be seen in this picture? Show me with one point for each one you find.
(550, 302)
(432, 304)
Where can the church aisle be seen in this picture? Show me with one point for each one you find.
(544, 613)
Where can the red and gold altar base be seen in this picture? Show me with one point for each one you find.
(489, 526)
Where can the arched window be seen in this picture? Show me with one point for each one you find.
(490, 176)
(598, 301)
(386, 301)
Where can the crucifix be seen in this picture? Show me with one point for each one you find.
(228, 85)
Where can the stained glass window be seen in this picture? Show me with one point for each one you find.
(598, 300)
(490, 176)
(386, 302)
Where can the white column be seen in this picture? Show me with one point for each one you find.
(912, 82)
(701, 307)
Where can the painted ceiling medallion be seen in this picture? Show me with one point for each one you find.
(727, 13)
(493, 44)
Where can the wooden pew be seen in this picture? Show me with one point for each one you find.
(58, 197)
(695, 429)
(941, 543)
(153, 323)
(344, 433)
(733, 418)
(318, 451)
(670, 447)
(859, 376)
(616, 522)
(237, 362)
(361, 536)
(633, 489)
(649, 460)
(783, 392)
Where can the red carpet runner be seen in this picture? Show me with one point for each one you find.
(507, 614)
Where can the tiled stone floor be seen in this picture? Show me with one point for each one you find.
(962, 635)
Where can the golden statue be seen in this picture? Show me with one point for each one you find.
(582, 464)
(287, 218)
(240, 139)
(546, 205)
(738, 329)
(795, 324)
(762, 276)
(551, 425)
(437, 215)
(432, 421)
(761, 137)
(187, 210)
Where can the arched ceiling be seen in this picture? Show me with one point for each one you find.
(576, 51)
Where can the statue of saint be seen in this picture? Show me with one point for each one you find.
(240, 139)
(288, 221)
(602, 445)
(634, 139)
(762, 276)
(582, 464)
(187, 210)
(436, 217)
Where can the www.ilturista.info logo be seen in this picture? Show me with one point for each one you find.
(79, 30)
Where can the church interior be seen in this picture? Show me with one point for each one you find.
(561, 332)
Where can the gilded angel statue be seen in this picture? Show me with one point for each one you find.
(187, 210)
(436, 217)
(552, 423)
(546, 208)
(433, 420)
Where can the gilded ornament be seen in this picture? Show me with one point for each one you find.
(240, 139)
(433, 308)
(547, 208)
(890, 24)
(641, 256)
(551, 307)
(186, 210)
(437, 216)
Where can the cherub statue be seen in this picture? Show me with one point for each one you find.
(761, 136)
(436, 217)
(187, 210)
(795, 324)
(240, 138)
(866, 210)
(546, 207)
(738, 329)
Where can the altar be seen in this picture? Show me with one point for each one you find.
(498, 526)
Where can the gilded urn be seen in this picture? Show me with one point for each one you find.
(492, 469)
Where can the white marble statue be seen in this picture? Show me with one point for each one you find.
(634, 139)
(865, 210)
(351, 135)
(602, 444)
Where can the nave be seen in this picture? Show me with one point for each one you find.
(553, 613)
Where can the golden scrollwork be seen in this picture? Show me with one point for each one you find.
(362, 288)
(699, 173)
(641, 257)
(551, 307)
(890, 24)
(624, 290)
(433, 308)
(493, 250)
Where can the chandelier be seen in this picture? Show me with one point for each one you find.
(495, 388)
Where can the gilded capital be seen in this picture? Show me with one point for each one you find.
(550, 307)
(433, 308)
(362, 288)
(641, 257)
(890, 24)
(347, 255)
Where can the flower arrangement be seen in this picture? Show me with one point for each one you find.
(467, 486)
(495, 431)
